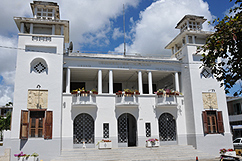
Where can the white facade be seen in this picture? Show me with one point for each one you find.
(46, 76)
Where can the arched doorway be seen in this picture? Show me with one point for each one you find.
(127, 129)
(83, 129)
(167, 127)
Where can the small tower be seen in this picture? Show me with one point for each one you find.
(192, 35)
(204, 99)
(36, 119)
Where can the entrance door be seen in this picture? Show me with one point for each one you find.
(83, 129)
(167, 127)
(127, 129)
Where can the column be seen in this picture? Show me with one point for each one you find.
(140, 82)
(110, 82)
(193, 39)
(53, 29)
(150, 82)
(53, 14)
(187, 39)
(22, 28)
(62, 29)
(68, 80)
(35, 12)
(31, 28)
(100, 81)
(177, 82)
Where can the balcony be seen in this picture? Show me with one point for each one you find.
(166, 100)
(84, 99)
(128, 100)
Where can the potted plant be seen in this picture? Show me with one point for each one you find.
(152, 142)
(94, 91)
(128, 92)
(104, 144)
(74, 91)
(27, 157)
(136, 92)
(119, 93)
(160, 92)
(84, 91)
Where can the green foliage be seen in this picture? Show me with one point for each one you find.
(5, 122)
(224, 49)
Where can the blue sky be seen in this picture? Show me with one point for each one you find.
(97, 25)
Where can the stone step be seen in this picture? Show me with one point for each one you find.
(168, 152)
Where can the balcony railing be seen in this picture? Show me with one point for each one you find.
(83, 99)
(127, 100)
(164, 100)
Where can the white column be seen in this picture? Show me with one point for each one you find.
(140, 82)
(62, 29)
(187, 39)
(193, 39)
(100, 81)
(22, 28)
(31, 28)
(53, 14)
(68, 80)
(35, 12)
(177, 82)
(53, 29)
(188, 27)
(110, 82)
(150, 82)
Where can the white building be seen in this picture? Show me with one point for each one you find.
(235, 113)
(48, 118)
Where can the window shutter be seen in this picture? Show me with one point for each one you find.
(24, 125)
(220, 122)
(205, 122)
(48, 125)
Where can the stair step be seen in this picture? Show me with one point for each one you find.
(169, 153)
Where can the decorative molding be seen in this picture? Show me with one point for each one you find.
(37, 99)
(209, 100)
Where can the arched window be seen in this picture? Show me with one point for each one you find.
(39, 66)
(167, 127)
(83, 129)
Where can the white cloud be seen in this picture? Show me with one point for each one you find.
(117, 33)
(7, 68)
(156, 27)
(9, 9)
(90, 18)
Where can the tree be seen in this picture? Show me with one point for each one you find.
(224, 49)
(5, 122)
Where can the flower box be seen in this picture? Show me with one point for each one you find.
(105, 145)
(230, 153)
(94, 92)
(152, 143)
(159, 93)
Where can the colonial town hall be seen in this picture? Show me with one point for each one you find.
(66, 100)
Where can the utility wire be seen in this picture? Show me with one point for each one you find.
(103, 52)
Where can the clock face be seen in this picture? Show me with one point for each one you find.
(209, 100)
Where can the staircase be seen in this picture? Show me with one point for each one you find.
(162, 153)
